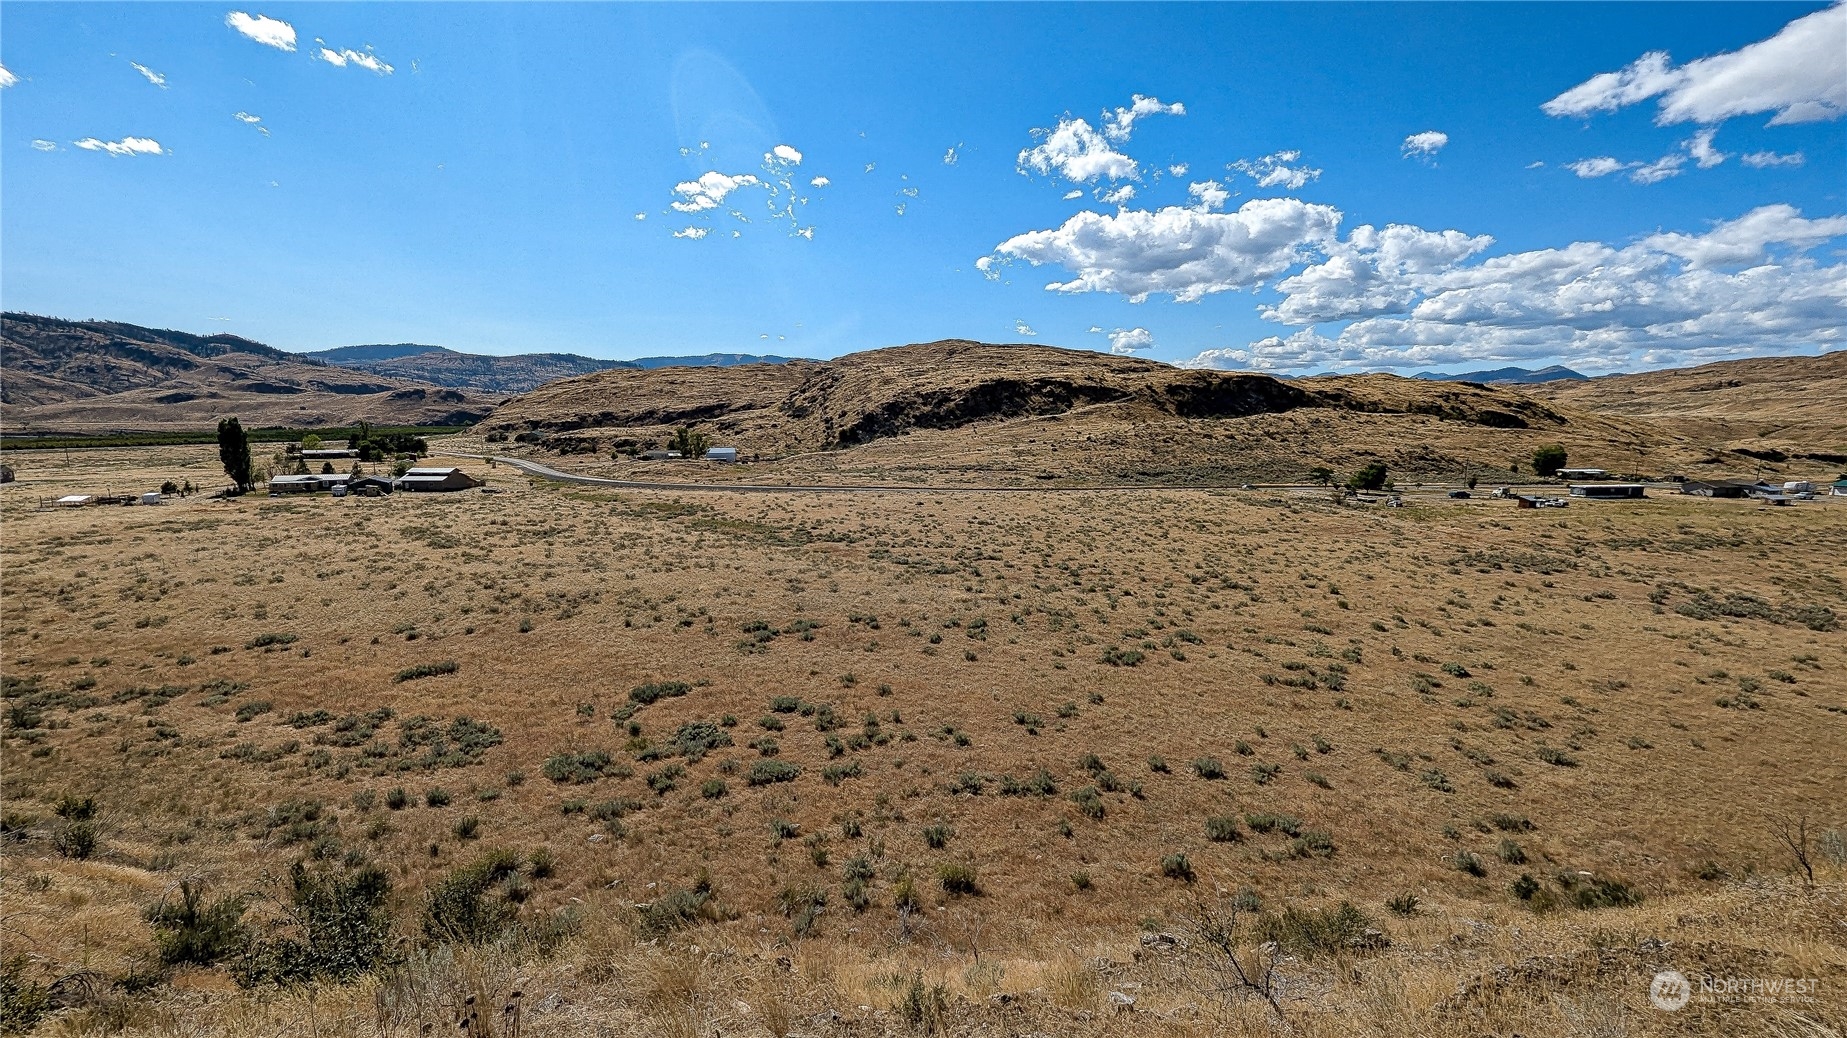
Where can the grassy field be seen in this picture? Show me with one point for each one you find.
(705, 764)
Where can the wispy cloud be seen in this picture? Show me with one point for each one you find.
(693, 233)
(1117, 125)
(7, 78)
(1278, 169)
(252, 120)
(45, 145)
(344, 56)
(1800, 74)
(270, 32)
(150, 75)
(950, 156)
(1767, 159)
(1601, 166)
(125, 146)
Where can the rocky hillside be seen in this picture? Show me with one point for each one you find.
(966, 410)
(101, 376)
(1766, 406)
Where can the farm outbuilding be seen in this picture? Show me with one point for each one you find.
(369, 486)
(722, 454)
(328, 453)
(309, 484)
(1839, 489)
(1717, 487)
(659, 455)
(1607, 490)
(1582, 474)
(422, 480)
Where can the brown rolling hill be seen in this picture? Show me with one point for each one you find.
(101, 376)
(951, 410)
(1769, 406)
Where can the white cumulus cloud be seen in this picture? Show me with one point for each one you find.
(819, 182)
(1800, 74)
(1181, 251)
(784, 153)
(1126, 341)
(1745, 286)
(125, 146)
(1117, 195)
(1117, 125)
(1279, 169)
(1700, 146)
(693, 233)
(1424, 145)
(270, 32)
(1372, 272)
(1074, 193)
(7, 78)
(1076, 152)
(1022, 328)
(950, 156)
(710, 190)
(1210, 194)
(149, 74)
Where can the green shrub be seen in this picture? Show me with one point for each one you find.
(187, 930)
(675, 909)
(578, 767)
(254, 709)
(937, 836)
(23, 1003)
(1208, 768)
(1402, 904)
(712, 789)
(958, 879)
(765, 772)
(1089, 802)
(437, 796)
(1470, 862)
(1310, 933)
(1223, 829)
(464, 907)
(924, 1007)
(657, 691)
(1557, 758)
(332, 925)
(1511, 852)
(397, 799)
(425, 670)
(1312, 844)
(834, 774)
(76, 840)
(1176, 866)
(1597, 892)
(1265, 823)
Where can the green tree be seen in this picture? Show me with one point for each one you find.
(1322, 475)
(311, 442)
(1372, 477)
(690, 444)
(234, 453)
(1549, 459)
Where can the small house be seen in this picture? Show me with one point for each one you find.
(1716, 487)
(1607, 490)
(727, 455)
(421, 480)
(152, 497)
(309, 484)
(1582, 474)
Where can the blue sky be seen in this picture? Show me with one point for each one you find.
(1365, 187)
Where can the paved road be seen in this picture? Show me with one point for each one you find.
(533, 468)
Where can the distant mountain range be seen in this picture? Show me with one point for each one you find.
(519, 373)
(1521, 375)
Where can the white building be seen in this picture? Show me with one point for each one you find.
(724, 454)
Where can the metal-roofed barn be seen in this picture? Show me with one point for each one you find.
(423, 480)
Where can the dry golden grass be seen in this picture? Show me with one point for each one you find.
(973, 629)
